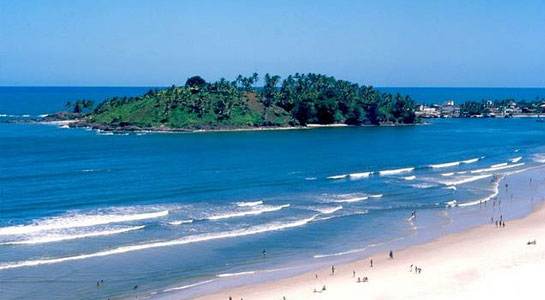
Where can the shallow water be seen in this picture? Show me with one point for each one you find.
(169, 210)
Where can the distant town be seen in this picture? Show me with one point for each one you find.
(485, 109)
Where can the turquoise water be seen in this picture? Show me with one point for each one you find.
(163, 211)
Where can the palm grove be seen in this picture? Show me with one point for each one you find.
(297, 100)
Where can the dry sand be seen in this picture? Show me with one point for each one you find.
(482, 263)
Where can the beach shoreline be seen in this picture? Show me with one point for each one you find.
(455, 265)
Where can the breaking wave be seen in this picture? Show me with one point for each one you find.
(497, 167)
(516, 159)
(454, 163)
(182, 241)
(64, 237)
(180, 222)
(359, 175)
(350, 199)
(465, 179)
(328, 210)
(255, 211)
(248, 204)
(188, 286)
(395, 171)
(77, 221)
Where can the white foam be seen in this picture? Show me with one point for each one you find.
(100, 132)
(328, 210)
(248, 204)
(340, 253)
(182, 241)
(445, 165)
(236, 274)
(359, 175)
(539, 158)
(447, 174)
(473, 160)
(454, 163)
(461, 172)
(423, 185)
(498, 165)
(450, 187)
(180, 222)
(497, 168)
(77, 221)
(310, 178)
(255, 211)
(395, 171)
(375, 196)
(64, 237)
(188, 286)
(516, 159)
(451, 203)
(495, 193)
(465, 179)
(351, 199)
(409, 177)
(343, 176)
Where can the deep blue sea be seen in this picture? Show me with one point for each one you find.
(193, 212)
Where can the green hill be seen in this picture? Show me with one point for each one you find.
(297, 100)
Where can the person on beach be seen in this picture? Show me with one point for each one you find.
(353, 273)
(333, 270)
(391, 254)
(371, 262)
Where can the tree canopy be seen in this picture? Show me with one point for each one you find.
(297, 100)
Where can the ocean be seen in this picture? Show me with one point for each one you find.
(157, 214)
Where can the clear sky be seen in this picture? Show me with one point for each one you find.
(383, 43)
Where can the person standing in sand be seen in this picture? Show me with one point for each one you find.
(333, 270)
(391, 254)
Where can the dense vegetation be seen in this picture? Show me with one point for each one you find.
(297, 100)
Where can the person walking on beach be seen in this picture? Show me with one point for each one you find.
(391, 254)
(333, 270)
(371, 263)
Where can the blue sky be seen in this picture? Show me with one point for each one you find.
(383, 43)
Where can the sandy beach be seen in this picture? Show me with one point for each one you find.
(486, 262)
